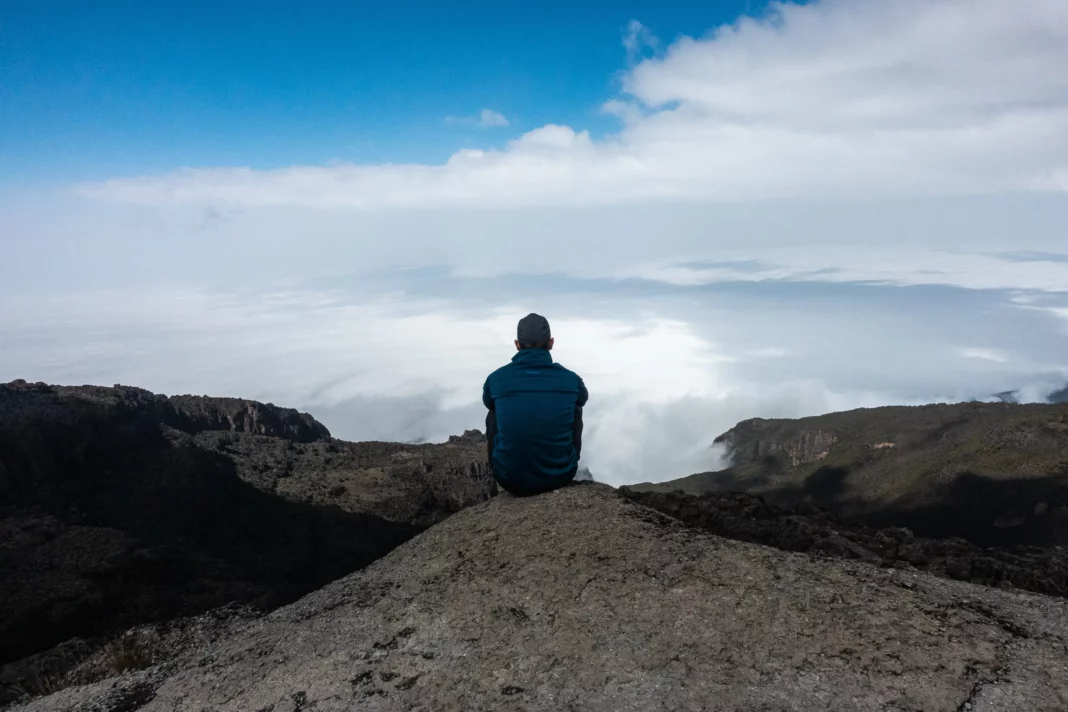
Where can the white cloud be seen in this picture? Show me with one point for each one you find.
(976, 242)
(489, 118)
(377, 348)
(873, 263)
(486, 119)
(1063, 314)
(840, 98)
(1055, 182)
(637, 39)
(769, 352)
(626, 111)
(666, 376)
(320, 352)
(992, 355)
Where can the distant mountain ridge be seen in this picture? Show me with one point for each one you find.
(190, 413)
(1058, 396)
(995, 473)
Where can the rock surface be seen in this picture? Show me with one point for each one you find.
(583, 600)
(120, 507)
(807, 529)
(79, 662)
(994, 473)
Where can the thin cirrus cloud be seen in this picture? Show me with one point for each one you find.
(992, 355)
(840, 98)
(486, 119)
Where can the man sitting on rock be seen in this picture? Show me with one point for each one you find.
(534, 425)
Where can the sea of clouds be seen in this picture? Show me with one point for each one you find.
(832, 205)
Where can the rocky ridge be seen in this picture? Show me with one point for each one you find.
(120, 507)
(130, 509)
(994, 473)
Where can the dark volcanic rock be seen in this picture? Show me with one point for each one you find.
(188, 413)
(242, 416)
(470, 437)
(810, 530)
(994, 473)
(120, 507)
(582, 600)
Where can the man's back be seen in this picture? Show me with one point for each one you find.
(536, 410)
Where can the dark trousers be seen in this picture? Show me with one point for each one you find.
(528, 492)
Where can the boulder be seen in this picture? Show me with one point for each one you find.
(583, 600)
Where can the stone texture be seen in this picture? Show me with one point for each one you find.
(807, 529)
(583, 600)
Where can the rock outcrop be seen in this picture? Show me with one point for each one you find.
(994, 473)
(470, 437)
(120, 507)
(750, 442)
(188, 413)
(583, 600)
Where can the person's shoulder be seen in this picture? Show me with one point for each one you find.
(564, 369)
(500, 371)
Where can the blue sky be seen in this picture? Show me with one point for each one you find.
(727, 210)
(110, 88)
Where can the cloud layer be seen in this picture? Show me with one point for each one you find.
(668, 368)
(840, 204)
(842, 98)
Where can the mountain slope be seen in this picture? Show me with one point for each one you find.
(119, 506)
(994, 473)
(582, 600)
(808, 529)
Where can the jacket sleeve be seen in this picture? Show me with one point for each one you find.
(491, 418)
(491, 432)
(576, 428)
(583, 394)
(576, 431)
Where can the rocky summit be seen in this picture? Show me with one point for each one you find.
(155, 550)
(583, 600)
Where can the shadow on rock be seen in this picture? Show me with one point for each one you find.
(809, 529)
(110, 519)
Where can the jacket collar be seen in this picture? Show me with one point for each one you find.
(533, 357)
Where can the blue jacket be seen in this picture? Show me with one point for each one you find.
(536, 403)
